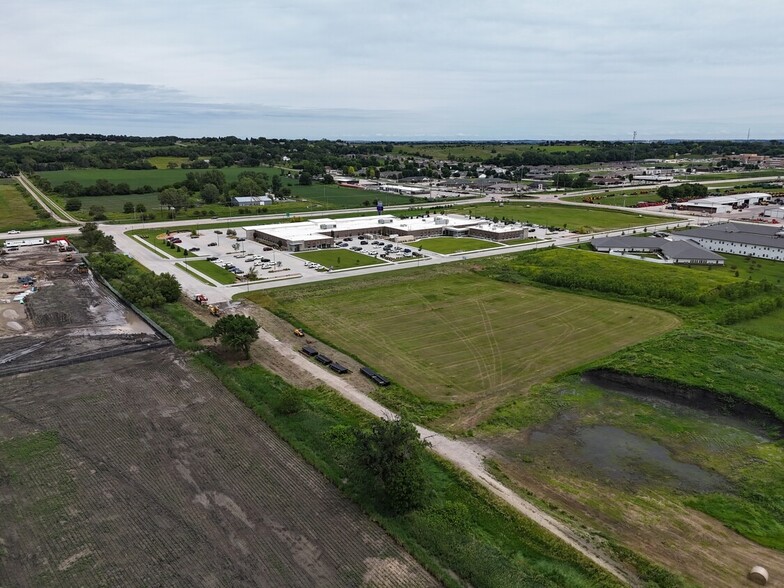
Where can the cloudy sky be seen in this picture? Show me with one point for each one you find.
(395, 69)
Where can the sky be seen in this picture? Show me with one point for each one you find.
(395, 69)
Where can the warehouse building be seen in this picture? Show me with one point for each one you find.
(755, 240)
(724, 204)
(251, 201)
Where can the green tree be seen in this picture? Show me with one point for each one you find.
(236, 332)
(73, 204)
(209, 193)
(305, 179)
(141, 208)
(128, 208)
(97, 212)
(328, 179)
(391, 453)
(277, 184)
(175, 197)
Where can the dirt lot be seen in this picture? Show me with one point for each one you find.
(138, 470)
(70, 317)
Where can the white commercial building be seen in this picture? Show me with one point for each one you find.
(323, 232)
(724, 204)
(756, 240)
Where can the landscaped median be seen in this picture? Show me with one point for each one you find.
(215, 272)
(448, 245)
(338, 258)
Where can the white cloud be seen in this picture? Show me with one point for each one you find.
(511, 69)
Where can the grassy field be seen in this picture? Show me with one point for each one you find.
(163, 162)
(770, 326)
(762, 173)
(220, 275)
(575, 218)
(461, 339)
(448, 245)
(338, 258)
(477, 151)
(16, 213)
(629, 198)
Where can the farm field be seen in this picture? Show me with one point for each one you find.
(447, 245)
(574, 218)
(338, 258)
(461, 339)
(141, 469)
(220, 275)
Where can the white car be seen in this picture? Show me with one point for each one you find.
(14, 232)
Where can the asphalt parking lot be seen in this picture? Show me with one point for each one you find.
(214, 245)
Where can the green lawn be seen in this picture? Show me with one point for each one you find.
(331, 196)
(748, 268)
(462, 339)
(770, 326)
(338, 258)
(15, 211)
(220, 275)
(575, 218)
(448, 245)
(163, 162)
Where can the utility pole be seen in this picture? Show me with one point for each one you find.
(634, 144)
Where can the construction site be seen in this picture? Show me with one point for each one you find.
(53, 311)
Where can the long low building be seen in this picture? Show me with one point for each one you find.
(323, 232)
(669, 250)
(756, 240)
(724, 204)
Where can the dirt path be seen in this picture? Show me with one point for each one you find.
(58, 213)
(464, 455)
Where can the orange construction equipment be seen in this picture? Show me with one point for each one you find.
(299, 332)
(214, 310)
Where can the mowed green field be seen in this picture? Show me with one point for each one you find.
(15, 213)
(564, 216)
(338, 258)
(464, 339)
(447, 245)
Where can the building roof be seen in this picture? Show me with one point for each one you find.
(749, 234)
(321, 228)
(671, 249)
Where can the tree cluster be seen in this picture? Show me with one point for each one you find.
(93, 240)
(236, 332)
(391, 454)
(139, 286)
(682, 192)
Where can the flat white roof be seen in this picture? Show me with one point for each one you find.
(729, 199)
(319, 228)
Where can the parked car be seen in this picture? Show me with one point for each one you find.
(193, 249)
(14, 232)
(363, 242)
(213, 244)
(212, 258)
(267, 248)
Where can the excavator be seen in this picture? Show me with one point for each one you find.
(214, 310)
